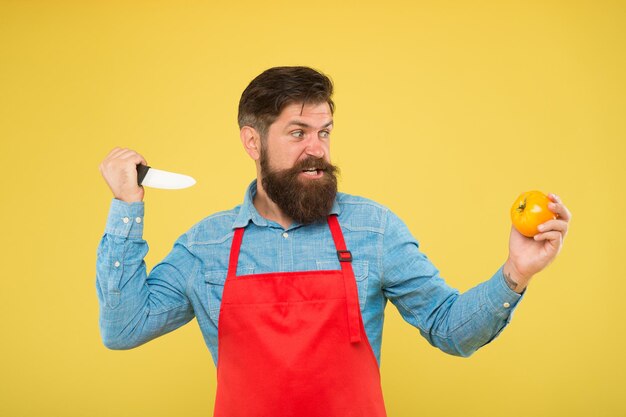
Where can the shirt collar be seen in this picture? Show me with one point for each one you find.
(248, 212)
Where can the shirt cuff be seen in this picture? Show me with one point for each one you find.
(499, 298)
(125, 219)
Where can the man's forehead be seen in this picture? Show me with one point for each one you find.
(298, 111)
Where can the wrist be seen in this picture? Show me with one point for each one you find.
(130, 198)
(513, 278)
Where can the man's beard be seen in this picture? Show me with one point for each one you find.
(303, 200)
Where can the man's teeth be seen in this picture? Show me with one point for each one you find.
(311, 171)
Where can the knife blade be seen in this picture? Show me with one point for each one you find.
(156, 178)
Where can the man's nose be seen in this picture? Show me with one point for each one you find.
(315, 148)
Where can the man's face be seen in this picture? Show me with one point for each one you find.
(298, 133)
(295, 162)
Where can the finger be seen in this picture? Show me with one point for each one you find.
(111, 156)
(554, 197)
(553, 225)
(118, 151)
(560, 210)
(137, 158)
(554, 237)
(122, 154)
(112, 153)
(125, 153)
(133, 156)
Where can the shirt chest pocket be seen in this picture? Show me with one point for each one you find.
(360, 269)
(214, 283)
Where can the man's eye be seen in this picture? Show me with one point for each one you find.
(324, 133)
(297, 134)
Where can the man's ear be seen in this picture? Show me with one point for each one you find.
(251, 141)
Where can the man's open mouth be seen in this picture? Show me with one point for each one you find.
(312, 171)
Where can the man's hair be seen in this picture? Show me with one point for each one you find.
(274, 89)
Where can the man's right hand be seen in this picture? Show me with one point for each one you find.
(119, 170)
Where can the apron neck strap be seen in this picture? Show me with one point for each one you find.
(335, 230)
(352, 296)
(234, 252)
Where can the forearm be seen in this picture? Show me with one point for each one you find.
(456, 323)
(470, 320)
(130, 313)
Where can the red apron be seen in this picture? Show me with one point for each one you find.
(292, 344)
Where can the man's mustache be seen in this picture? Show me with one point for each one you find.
(313, 162)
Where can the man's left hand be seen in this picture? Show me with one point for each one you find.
(527, 256)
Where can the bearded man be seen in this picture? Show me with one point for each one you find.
(289, 288)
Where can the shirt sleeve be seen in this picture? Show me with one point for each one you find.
(456, 323)
(136, 307)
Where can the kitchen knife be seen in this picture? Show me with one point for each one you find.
(156, 178)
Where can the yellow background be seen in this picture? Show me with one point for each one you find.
(446, 111)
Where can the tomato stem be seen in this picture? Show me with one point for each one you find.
(522, 206)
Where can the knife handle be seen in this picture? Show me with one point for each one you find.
(142, 170)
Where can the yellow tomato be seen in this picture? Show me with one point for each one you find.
(529, 211)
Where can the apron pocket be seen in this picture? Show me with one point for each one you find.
(214, 281)
(360, 269)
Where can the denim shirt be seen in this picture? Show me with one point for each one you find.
(136, 307)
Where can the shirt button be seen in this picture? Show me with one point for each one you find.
(285, 235)
(117, 264)
(125, 220)
(138, 219)
(506, 305)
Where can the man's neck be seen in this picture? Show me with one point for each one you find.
(268, 209)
